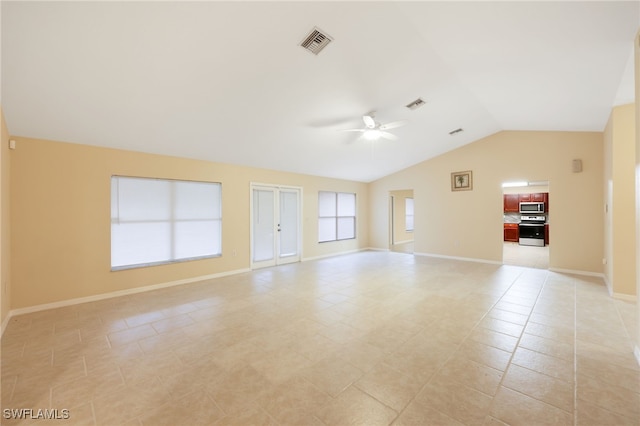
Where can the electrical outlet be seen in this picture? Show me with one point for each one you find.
(604, 261)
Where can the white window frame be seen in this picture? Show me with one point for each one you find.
(335, 215)
(169, 203)
(409, 217)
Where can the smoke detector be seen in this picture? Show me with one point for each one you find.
(316, 40)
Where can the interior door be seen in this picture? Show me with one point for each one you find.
(275, 220)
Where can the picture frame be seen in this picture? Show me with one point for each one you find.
(462, 181)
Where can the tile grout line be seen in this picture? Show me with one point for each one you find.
(454, 351)
(518, 342)
(624, 325)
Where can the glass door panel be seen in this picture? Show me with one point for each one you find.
(288, 223)
(275, 222)
(263, 225)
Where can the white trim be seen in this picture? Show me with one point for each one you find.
(119, 293)
(403, 242)
(576, 272)
(619, 296)
(464, 259)
(625, 297)
(636, 352)
(277, 259)
(5, 323)
(375, 249)
(340, 253)
(608, 284)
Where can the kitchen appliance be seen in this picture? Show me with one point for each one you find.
(531, 229)
(533, 207)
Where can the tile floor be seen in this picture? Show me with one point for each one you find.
(403, 247)
(373, 338)
(529, 256)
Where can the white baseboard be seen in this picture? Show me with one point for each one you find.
(607, 283)
(119, 293)
(404, 242)
(619, 296)
(464, 259)
(577, 272)
(625, 297)
(324, 256)
(79, 300)
(636, 352)
(4, 323)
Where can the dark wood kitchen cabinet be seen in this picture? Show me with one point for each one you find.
(511, 203)
(546, 234)
(539, 197)
(511, 232)
(546, 202)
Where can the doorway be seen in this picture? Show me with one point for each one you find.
(401, 221)
(526, 234)
(275, 225)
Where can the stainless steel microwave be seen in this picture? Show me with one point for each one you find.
(531, 207)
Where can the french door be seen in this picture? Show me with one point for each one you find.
(275, 225)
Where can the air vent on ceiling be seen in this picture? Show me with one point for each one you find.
(416, 104)
(316, 41)
(453, 132)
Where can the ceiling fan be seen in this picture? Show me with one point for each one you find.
(374, 130)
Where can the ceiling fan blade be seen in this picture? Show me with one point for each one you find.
(353, 130)
(393, 124)
(389, 136)
(369, 121)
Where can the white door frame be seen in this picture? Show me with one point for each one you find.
(277, 259)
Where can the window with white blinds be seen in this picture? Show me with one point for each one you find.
(408, 213)
(156, 221)
(336, 216)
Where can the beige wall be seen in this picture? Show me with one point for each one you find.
(619, 190)
(636, 43)
(469, 224)
(5, 224)
(60, 205)
(400, 222)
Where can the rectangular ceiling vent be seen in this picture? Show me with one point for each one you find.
(316, 41)
(416, 104)
(453, 132)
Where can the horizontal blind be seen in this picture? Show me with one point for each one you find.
(336, 216)
(155, 221)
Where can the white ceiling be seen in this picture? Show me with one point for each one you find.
(228, 81)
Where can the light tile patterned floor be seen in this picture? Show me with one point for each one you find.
(529, 256)
(372, 338)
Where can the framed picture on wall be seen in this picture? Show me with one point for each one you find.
(462, 181)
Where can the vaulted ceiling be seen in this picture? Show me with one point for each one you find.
(229, 81)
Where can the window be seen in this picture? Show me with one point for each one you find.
(156, 221)
(408, 214)
(336, 216)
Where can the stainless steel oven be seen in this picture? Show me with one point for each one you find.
(531, 229)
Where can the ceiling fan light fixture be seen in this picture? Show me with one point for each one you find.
(372, 134)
